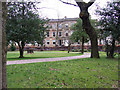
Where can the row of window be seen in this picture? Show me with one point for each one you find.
(54, 42)
(48, 42)
(59, 26)
(54, 34)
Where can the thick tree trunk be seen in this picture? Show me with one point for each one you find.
(84, 15)
(0, 45)
(3, 77)
(111, 54)
(94, 47)
(92, 34)
(82, 51)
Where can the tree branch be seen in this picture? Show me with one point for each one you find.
(80, 4)
(90, 3)
(84, 5)
(68, 3)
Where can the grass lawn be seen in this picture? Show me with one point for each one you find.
(79, 73)
(40, 54)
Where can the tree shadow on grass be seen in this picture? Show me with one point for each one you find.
(25, 58)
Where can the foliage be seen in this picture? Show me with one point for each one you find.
(12, 47)
(78, 32)
(79, 73)
(110, 24)
(24, 24)
(110, 20)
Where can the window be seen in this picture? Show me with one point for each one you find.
(48, 41)
(72, 24)
(71, 32)
(53, 41)
(53, 26)
(60, 26)
(47, 34)
(60, 42)
(66, 34)
(53, 34)
(59, 33)
(66, 25)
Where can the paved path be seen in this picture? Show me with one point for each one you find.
(86, 55)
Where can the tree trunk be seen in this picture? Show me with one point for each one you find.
(21, 49)
(1, 45)
(107, 47)
(69, 48)
(100, 41)
(3, 77)
(82, 45)
(92, 35)
(94, 47)
(84, 15)
(56, 37)
(111, 54)
(21, 53)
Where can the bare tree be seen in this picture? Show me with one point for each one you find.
(84, 15)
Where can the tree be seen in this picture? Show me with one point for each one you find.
(110, 23)
(69, 41)
(79, 34)
(23, 24)
(84, 15)
(3, 78)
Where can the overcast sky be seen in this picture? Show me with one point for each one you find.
(54, 9)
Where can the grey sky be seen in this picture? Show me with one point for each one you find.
(55, 9)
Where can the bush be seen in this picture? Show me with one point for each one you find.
(85, 50)
(73, 50)
(89, 50)
(79, 50)
(76, 50)
(12, 47)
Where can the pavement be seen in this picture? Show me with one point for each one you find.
(85, 55)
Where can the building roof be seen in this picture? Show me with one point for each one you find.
(64, 19)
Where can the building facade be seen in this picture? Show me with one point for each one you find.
(58, 32)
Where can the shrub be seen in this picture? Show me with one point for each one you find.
(12, 47)
(73, 50)
(79, 50)
(89, 50)
(85, 50)
(76, 50)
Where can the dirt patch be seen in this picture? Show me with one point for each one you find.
(53, 69)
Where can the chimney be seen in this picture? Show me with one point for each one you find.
(65, 17)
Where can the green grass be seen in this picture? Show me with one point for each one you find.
(40, 54)
(79, 73)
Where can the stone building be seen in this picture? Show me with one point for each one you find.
(58, 32)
